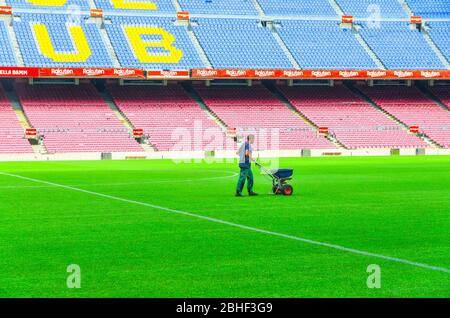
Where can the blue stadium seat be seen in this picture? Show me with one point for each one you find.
(430, 8)
(240, 43)
(162, 6)
(82, 5)
(231, 7)
(324, 45)
(57, 26)
(440, 33)
(6, 51)
(296, 7)
(158, 41)
(366, 8)
(400, 47)
(127, 56)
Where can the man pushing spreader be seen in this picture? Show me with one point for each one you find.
(245, 159)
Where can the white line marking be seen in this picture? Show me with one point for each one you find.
(240, 226)
(234, 174)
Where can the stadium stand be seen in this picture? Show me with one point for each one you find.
(224, 34)
(440, 33)
(430, 8)
(135, 41)
(50, 4)
(250, 108)
(237, 43)
(400, 47)
(411, 107)
(311, 8)
(55, 40)
(6, 51)
(443, 94)
(337, 47)
(371, 8)
(354, 122)
(74, 119)
(164, 6)
(229, 7)
(169, 117)
(152, 42)
(11, 133)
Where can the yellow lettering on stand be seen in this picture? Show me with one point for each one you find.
(134, 5)
(82, 49)
(140, 46)
(48, 3)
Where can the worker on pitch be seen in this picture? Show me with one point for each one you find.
(245, 159)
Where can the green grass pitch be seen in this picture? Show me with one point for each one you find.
(393, 206)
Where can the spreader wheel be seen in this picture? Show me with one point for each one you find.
(288, 189)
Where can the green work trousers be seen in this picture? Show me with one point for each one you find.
(246, 174)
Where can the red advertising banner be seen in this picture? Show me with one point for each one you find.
(414, 129)
(19, 72)
(415, 19)
(183, 15)
(403, 74)
(249, 74)
(5, 10)
(127, 73)
(323, 130)
(423, 74)
(31, 133)
(266, 73)
(232, 132)
(320, 74)
(292, 74)
(96, 72)
(347, 19)
(168, 75)
(91, 72)
(237, 73)
(376, 74)
(434, 74)
(138, 133)
(60, 72)
(96, 13)
(204, 73)
(27, 72)
(213, 73)
(407, 74)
